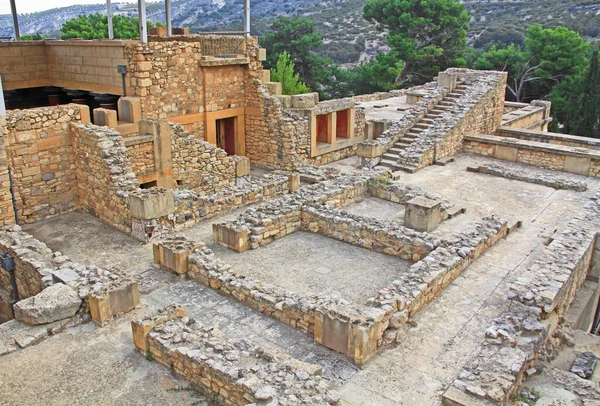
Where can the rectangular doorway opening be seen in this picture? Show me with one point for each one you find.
(226, 134)
(343, 124)
(323, 135)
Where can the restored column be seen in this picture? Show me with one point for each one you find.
(142, 22)
(168, 17)
(111, 33)
(13, 10)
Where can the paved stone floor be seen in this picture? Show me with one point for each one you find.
(97, 366)
(377, 208)
(311, 263)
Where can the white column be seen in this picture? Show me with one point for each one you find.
(111, 33)
(142, 17)
(168, 17)
(13, 10)
(247, 17)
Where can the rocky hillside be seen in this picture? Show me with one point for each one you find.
(348, 37)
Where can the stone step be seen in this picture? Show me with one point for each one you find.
(397, 148)
(427, 120)
(444, 161)
(390, 156)
(445, 103)
(388, 163)
(424, 126)
(405, 168)
(438, 111)
(411, 135)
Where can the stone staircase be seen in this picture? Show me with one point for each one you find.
(390, 158)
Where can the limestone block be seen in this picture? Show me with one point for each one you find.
(422, 214)
(173, 253)
(413, 97)
(579, 165)
(230, 237)
(151, 204)
(294, 180)
(261, 54)
(274, 88)
(286, 101)
(65, 276)
(506, 153)
(304, 101)
(130, 109)
(369, 150)
(456, 397)
(54, 303)
(265, 75)
(242, 166)
(105, 117)
(140, 330)
(447, 80)
(114, 301)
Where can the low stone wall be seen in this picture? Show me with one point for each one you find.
(41, 158)
(535, 303)
(237, 372)
(51, 288)
(569, 159)
(533, 116)
(553, 180)
(199, 165)
(478, 111)
(140, 152)
(549, 138)
(380, 236)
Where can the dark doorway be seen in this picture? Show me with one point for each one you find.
(226, 135)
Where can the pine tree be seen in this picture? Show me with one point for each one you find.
(284, 73)
(584, 115)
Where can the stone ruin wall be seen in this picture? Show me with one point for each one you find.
(239, 374)
(199, 165)
(478, 111)
(104, 175)
(40, 153)
(535, 304)
(141, 156)
(7, 213)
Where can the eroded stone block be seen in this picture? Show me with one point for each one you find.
(130, 109)
(230, 237)
(173, 253)
(369, 150)
(151, 203)
(56, 302)
(105, 117)
(422, 214)
(113, 301)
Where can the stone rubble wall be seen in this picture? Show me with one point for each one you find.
(199, 165)
(238, 372)
(141, 156)
(550, 138)
(40, 153)
(7, 213)
(535, 304)
(478, 111)
(401, 193)
(104, 293)
(553, 180)
(376, 235)
(104, 174)
(579, 160)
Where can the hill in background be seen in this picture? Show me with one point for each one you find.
(348, 37)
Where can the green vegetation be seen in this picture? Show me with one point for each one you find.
(284, 73)
(32, 37)
(427, 35)
(95, 26)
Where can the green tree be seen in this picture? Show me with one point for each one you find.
(95, 26)
(33, 37)
(376, 75)
(583, 113)
(284, 73)
(299, 38)
(428, 35)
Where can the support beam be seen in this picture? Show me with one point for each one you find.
(142, 18)
(247, 17)
(168, 17)
(111, 33)
(13, 10)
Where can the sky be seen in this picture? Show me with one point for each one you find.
(30, 6)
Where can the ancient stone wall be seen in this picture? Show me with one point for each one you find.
(7, 213)
(41, 158)
(549, 155)
(242, 373)
(478, 111)
(549, 138)
(141, 155)
(104, 174)
(199, 165)
(534, 305)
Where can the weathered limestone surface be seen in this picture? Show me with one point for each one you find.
(537, 300)
(57, 302)
(478, 111)
(237, 372)
(553, 180)
(39, 149)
